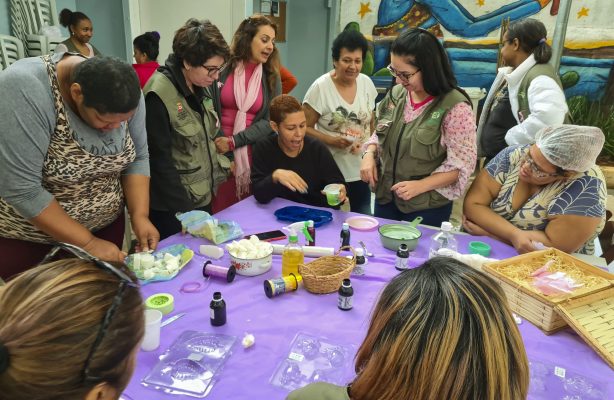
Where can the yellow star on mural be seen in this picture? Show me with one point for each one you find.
(583, 12)
(364, 9)
(480, 3)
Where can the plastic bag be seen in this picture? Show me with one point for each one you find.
(553, 283)
(158, 271)
(202, 224)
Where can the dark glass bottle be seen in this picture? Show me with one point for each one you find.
(402, 258)
(346, 293)
(312, 232)
(345, 235)
(218, 310)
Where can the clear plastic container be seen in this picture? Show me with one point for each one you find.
(292, 256)
(314, 359)
(442, 241)
(191, 364)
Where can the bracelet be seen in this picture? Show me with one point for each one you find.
(231, 143)
(365, 152)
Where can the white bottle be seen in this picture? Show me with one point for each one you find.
(443, 239)
(361, 261)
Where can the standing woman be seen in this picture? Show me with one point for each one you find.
(527, 94)
(182, 124)
(339, 108)
(248, 85)
(425, 135)
(76, 155)
(146, 49)
(81, 31)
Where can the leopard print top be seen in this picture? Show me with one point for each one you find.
(86, 186)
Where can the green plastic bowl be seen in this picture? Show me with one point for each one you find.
(480, 248)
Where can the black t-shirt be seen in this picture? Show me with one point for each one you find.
(500, 119)
(314, 164)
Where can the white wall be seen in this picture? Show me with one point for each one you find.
(167, 16)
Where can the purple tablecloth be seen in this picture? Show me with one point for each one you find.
(561, 364)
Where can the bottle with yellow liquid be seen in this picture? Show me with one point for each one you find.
(292, 256)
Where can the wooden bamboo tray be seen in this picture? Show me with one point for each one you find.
(592, 317)
(536, 307)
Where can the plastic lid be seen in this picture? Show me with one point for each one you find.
(446, 226)
(346, 283)
(217, 296)
(402, 246)
(359, 252)
(346, 226)
(310, 223)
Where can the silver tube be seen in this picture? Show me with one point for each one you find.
(560, 29)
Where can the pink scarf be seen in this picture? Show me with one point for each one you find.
(244, 99)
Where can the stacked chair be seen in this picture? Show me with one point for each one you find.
(27, 19)
(11, 50)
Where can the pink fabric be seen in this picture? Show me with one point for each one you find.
(245, 97)
(229, 106)
(145, 71)
(458, 137)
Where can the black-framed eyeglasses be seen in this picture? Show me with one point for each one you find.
(211, 71)
(124, 281)
(404, 76)
(536, 171)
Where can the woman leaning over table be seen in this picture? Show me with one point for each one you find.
(182, 124)
(69, 330)
(424, 149)
(247, 87)
(550, 192)
(411, 352)
(339, 108)
(75, 155)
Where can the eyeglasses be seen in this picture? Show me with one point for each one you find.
(124, 281)
(404, 76)
(536, 171)
(213, 70)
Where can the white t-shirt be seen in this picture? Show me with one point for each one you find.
(339, 118)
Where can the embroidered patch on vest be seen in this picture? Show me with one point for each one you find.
(181, 112)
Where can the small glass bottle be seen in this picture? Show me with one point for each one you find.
(218, 310)
(361, 261)
(442, 240)
(346, 293)
(402, 258)
(312, 232)
(345, 235)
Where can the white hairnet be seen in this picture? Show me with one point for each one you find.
(571, 147)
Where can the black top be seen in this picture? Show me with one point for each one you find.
(500, 119)
(314, 164)
(167, 193)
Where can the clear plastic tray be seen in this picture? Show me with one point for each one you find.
(314, 359)
(191, 364)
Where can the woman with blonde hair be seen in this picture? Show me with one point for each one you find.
(439, 331)
(69, 330)
(247, 86)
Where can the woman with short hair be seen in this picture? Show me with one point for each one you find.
(439, 331)
(339, 108)
(69, 330)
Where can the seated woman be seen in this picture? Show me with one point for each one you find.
(550, 192)
(291, 165)
(439, 331)
(67, 347)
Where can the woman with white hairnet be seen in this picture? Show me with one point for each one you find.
(550, 192)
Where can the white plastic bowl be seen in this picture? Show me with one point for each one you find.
(252, 267)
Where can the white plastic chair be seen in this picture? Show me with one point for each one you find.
(27, 19)
(11, 50)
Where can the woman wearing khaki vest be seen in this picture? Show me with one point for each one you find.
(526, 95)
(424, 149)
(182, 124)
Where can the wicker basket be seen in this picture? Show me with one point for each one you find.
(325, 274)
(539, 309)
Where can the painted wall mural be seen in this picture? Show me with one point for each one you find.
(470, 32)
